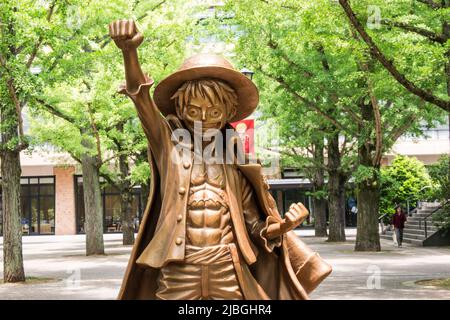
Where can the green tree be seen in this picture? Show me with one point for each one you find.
(311, 144)
(406, 179)
(25, 28)
(439, 174)
(410, 40)
(311, 52)
(98, 127)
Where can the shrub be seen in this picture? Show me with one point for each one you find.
(440, 174)
(406, 178)
(441, 219)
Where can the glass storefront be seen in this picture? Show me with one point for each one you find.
(38, 205)
(111, 207)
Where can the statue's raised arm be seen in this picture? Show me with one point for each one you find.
(128, 39)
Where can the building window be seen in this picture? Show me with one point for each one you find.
(286, 197)
(112, 221)
(37, 197)
(288, 191)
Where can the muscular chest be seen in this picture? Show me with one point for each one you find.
(211, 174)
(207, 188)
(208, 217)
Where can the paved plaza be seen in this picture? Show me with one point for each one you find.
(389, 274)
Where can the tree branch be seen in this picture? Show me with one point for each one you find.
(347, 147)
(96, 134)
(2, 61)
(378, 133)
(334, 96)
(107, 39)
(430, 35)
(282, 6)
(13, 94)
(398, 131)
(115, 155)
(156, 6)
(312, 105)
(55, 111)
(41, 38)
(311, 159)
(109, 179)
(435, 5)
(308, 74)
(376, 52)
(274, 46)
(73, 156)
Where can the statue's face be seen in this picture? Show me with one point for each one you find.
(211, 114)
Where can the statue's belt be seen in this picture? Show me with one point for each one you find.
(208, 255)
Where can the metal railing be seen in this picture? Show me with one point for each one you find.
(380, 221)
(424, 219)
(408, 201)
(409, 211)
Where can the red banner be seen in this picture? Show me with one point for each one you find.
(245, 129)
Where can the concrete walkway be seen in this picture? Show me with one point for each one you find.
(389, 274)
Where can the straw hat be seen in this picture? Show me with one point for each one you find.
(208, 66)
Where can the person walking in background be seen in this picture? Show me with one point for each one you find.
(398, 220)
(353, 211)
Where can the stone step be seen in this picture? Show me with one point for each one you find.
(386, 236)
(428, 205)
(415, 242)
(409, 235)
(420, 226)
(410, 220)
(425, 210)
(413, 236)
(415, 231)
(417, 224)
(430, 230)
(417, 228)
(421, 215)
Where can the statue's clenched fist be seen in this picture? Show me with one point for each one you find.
(296, 215)
(125, 34)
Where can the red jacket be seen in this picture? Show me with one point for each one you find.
(398, 220)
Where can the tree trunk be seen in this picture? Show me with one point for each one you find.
(126, 202)
(446, 31)
(319, 204)
(320, 217)
(92, 202)
(336, 191)
(367, 237)
(127, 218)
(13, 270)
(368, 193)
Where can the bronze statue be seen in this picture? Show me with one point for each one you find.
(211, 229)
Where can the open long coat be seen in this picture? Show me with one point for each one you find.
(297, 269)
(291, 271)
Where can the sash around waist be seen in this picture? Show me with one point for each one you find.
(208, 255)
